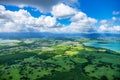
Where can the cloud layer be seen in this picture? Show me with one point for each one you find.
(23, 21)
(42, 5)
(63, 11)
(109, 26)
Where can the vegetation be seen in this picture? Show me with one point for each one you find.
(57, 59)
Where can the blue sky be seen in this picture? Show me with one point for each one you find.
(100, 9)
(74, 16)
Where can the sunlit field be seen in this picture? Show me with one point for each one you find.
(55, 59)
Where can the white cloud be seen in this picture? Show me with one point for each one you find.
(82, 18)
(103, 21)
(2, 8)
(78, 16)
(115, 28)
(114, 18)
(62, 11)
(109, 26)
(10, 20)
(82, 23)
(103, 28)
(42, 5)
(46, 21)
(22, 21)
(116, 12)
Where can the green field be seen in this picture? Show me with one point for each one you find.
(57, 59)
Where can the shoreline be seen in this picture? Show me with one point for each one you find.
(107, 50)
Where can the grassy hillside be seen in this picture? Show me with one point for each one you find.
(56, 59)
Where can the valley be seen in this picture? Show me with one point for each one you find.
(55, 59)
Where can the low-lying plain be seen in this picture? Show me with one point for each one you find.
(57, 59)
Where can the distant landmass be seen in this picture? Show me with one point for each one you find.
(58, 35)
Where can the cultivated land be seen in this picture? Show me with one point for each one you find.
(57, 59)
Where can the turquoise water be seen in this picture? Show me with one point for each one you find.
(2, 41)
(111, 45)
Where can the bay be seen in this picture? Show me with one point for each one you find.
(111, 45)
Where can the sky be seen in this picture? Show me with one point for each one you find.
(60, 16)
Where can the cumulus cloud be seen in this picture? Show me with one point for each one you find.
(116, 12)
(46, 21)
(2, 8)
(109, 26)
(103, 21)
(79, 16)
(82, 23)
(23, 21)
(62, 11)
(114, 18)
(42, 5)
